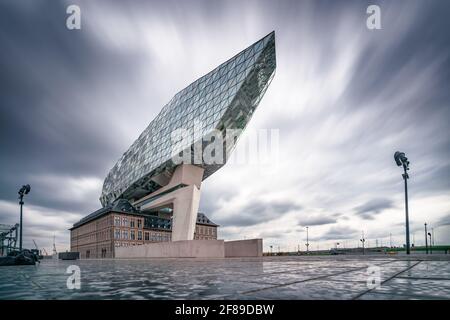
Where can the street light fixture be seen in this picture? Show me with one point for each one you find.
(431, 244)
(432, 233)
(401, 160)
(23, 191)
(426, 238)
(362, 240)
(307, 241)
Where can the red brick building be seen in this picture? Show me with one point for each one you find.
(98, 234)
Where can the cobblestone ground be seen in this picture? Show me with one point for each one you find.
(302, 277)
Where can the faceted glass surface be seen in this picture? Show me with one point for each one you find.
(225, 98)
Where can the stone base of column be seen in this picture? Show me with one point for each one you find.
(193, 249)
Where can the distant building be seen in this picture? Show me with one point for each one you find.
(120, 224)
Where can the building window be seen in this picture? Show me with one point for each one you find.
(125, 234)
(139, 235)
(132, 235)
(139, 223)
(117, 221)
(125, 222)
(131, 223)
(147, 236)
(117, 234)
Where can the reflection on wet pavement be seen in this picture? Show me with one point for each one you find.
(303, 277)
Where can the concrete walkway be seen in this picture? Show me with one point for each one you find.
(297, 277)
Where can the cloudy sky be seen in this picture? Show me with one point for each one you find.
(344, 99)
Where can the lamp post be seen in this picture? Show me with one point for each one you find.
(401, 160)
(431, 244)
(362, 240)
(432, 233)
(24, 190)
(307, 241)
(426, 238)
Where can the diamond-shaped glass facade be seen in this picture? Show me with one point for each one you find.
(225, 98)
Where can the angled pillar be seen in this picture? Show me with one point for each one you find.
(183, 193)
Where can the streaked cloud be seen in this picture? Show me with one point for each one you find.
(373, 207)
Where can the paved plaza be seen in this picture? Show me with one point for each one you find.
(295, 277)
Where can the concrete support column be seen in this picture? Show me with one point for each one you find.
(185, 209)
(185, 200)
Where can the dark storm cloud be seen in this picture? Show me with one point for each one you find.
(271, 234)
(40, 224)
(51, 122)
(389, 69)
(257, 211)
(444, 221)
(338, 233)
(373, 207)
(400, 77)
(432, 179)
(213, 199)
(316, 220)
(42, 118)
(384, 59)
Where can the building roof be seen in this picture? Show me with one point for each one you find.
(225, 98)
(123, 206)
(203, 219)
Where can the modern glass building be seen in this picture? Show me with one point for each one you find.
(148, 183)
(225, 98)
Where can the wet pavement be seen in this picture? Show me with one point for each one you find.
(296, 277)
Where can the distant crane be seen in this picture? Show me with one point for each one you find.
(45, 251)
(35, 245)
(55, 253)
(37, 251)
